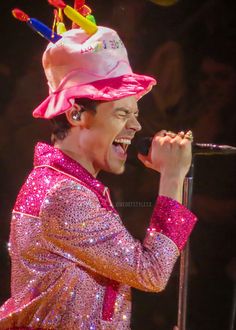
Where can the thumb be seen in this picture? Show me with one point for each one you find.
(144, 160)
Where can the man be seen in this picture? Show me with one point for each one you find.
(73, 262)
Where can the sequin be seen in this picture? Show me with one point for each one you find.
(73, 262)
(179, 224)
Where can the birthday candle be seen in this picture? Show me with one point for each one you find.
(78, 4)
(58, 22)
(91, 18)
(82, 8)
(76, 17)
(36, 25)
(61, 28)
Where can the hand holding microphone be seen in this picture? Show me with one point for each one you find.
(168, 153)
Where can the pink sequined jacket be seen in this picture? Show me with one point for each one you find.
(73, 262)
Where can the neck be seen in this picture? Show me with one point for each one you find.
(77, 155)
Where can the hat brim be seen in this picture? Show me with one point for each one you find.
(105, 90)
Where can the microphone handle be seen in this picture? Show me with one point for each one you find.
(144, 144)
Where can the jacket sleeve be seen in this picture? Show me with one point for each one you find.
(76, 226)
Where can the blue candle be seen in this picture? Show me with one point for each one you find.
(43, 30)
(36, 25)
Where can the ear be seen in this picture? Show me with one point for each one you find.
(74, 115)
(77, 116)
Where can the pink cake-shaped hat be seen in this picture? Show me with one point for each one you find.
(83, 66)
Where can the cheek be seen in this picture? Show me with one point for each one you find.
(98, 143)
(108, 132)
(99, 139)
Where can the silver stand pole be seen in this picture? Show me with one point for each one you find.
(233, 310)
(201, 149)
(184, 257)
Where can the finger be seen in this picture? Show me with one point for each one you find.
(161, 133)
(144, 160)
(189, 136)
(171, 134)
(142, 157)
(164, 141)
(181, 134)
(176, 140)
(185, 142)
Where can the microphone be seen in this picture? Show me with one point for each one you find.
(143, 145)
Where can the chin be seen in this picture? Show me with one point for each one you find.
(116, 170)
(121, 171)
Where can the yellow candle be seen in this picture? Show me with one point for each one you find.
(80, 20)
(61, 28)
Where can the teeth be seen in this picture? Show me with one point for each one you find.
(123, 141)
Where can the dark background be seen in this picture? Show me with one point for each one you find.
(190, 48)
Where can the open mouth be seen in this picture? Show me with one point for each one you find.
(121, 145)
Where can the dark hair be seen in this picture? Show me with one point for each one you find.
(60, 124)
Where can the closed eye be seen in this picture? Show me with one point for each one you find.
(122, 112)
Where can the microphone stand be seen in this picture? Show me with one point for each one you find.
(201, 149)
(184, 256)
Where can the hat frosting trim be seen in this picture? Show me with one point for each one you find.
(110, 89)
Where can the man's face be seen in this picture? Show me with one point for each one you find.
(108, 134)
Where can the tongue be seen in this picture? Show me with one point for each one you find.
(119, 149)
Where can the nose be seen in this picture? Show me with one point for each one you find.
(134, 124)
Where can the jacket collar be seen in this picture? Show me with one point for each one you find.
(47, 155)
